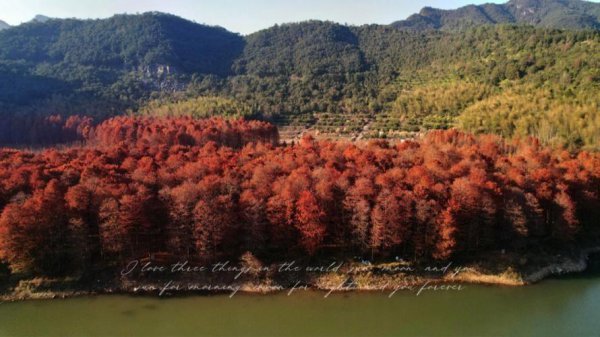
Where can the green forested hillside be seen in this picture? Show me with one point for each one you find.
(503, 80)
(342, 81)
(311, 48)
(119, 59)
(414, 81)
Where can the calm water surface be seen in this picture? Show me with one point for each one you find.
(560, 307)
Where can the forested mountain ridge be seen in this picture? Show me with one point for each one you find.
(37, 18)
(309, 48)
(565, 14)
(115, 60)
(124, 41)
(378, 81)
(341, 81)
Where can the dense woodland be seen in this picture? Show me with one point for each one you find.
(472, 138)
(214, 189)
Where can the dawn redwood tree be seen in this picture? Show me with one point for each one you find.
(83, 205)
(474, 214)
(133, 223)
(310, 222)
(446, 232)
(536, 216)
(255, 222)
(329, 190)
(391, 219)
(566, 223)
(358, 210)
(215, 221)
(142, 220)
(181, 201)
(515, 218)
(114, 243)
(281, 206)
(424, 235)
(52, 217)
(18, 243)
(35, 234)
(281, 231)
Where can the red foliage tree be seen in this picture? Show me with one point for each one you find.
(310, 222)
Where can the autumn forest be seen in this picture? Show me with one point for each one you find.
(448, 136)
(208, 189)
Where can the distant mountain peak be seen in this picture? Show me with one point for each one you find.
(531, 3)
(4, 25)
(428, 10)
(563, 14)
(526, 7)
(40, 18)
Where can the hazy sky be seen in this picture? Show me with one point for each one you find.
(236, 15)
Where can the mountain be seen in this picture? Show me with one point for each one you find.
(115, 60)
(124, 41)
(4, 25)
(356, 82)
(37, 18)
(565, 14)
(311, 47)
(40, 18)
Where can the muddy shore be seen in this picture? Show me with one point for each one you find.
(351, 277)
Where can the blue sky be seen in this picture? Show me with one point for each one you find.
(236, 15)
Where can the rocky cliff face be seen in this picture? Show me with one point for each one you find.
(157, 70)
(531, 11)
(160, 77)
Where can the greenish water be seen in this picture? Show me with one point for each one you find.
(559, 307)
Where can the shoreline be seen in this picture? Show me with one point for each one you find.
(333, 282)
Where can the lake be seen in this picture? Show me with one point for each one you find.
(556, 307)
